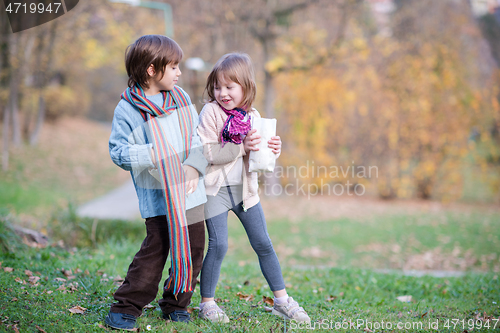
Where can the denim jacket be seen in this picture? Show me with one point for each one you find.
(130, 149)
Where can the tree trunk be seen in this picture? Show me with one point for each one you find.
(13, 102)
(39, 121)
(27, 125)
(14, 110)
(5, 70)
(272, 186)
(42, 78)
(269, 95)
(5, 139)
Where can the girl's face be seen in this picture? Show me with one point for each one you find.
(228, 94)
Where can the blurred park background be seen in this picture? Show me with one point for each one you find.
(389, 113)
(385, 107)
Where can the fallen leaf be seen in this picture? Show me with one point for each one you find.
(8, 269)
(40, 329)
(86, 272)
(149, 306)
(15, 328)
(400, 314)
(60, 279)
(331, 298)
(61, 288)
(14, 299)
(268, 309)
(49, 292)
(20, 280)
(78, 271)
(29, 273)
(190, 310)
(118, 278)
(102, 326)
(341, 294)
(366, 329)
(268, 300)
(246, 283)
(220, 300)
(118, 281)
(33, 279)
(424, 314)
(227, 287)
(406, 298)
(245, 297)
(66, 272)
(77, 309)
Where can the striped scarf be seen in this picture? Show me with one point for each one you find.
(171, 174)
(235, 128)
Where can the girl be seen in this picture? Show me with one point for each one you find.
(224, 129)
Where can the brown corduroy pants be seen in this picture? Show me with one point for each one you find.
(144, 273)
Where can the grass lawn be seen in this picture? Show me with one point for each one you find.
(437, 241)
(346, 295)
(62, 280)
(71, 164)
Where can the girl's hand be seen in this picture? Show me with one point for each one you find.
(251, 140)
(275, 144)
(192, 178)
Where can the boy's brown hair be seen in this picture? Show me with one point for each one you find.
(238, 68)
(156, 50)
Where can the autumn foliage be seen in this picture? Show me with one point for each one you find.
(412, 95)
(414, 104)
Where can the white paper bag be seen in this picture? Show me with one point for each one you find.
(263, 159)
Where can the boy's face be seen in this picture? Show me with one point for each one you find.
(228, 94)
(169, 79)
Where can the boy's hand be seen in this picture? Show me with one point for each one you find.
(251, 140)
(192, 177)
(275, 144)
(153, 158)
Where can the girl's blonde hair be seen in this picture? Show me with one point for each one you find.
(238, 68)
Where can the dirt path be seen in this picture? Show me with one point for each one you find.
(122, 203)
(295, 208)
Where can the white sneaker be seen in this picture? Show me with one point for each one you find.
(213, 313)
(291, 310)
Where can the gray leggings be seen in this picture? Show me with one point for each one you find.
(254, 222)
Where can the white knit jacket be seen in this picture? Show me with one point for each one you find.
(222, 159)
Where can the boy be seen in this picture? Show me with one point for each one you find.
(154, 137)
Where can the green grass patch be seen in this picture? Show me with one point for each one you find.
(67, 166)
(28, 198)
(440, 241)
(330, 296)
